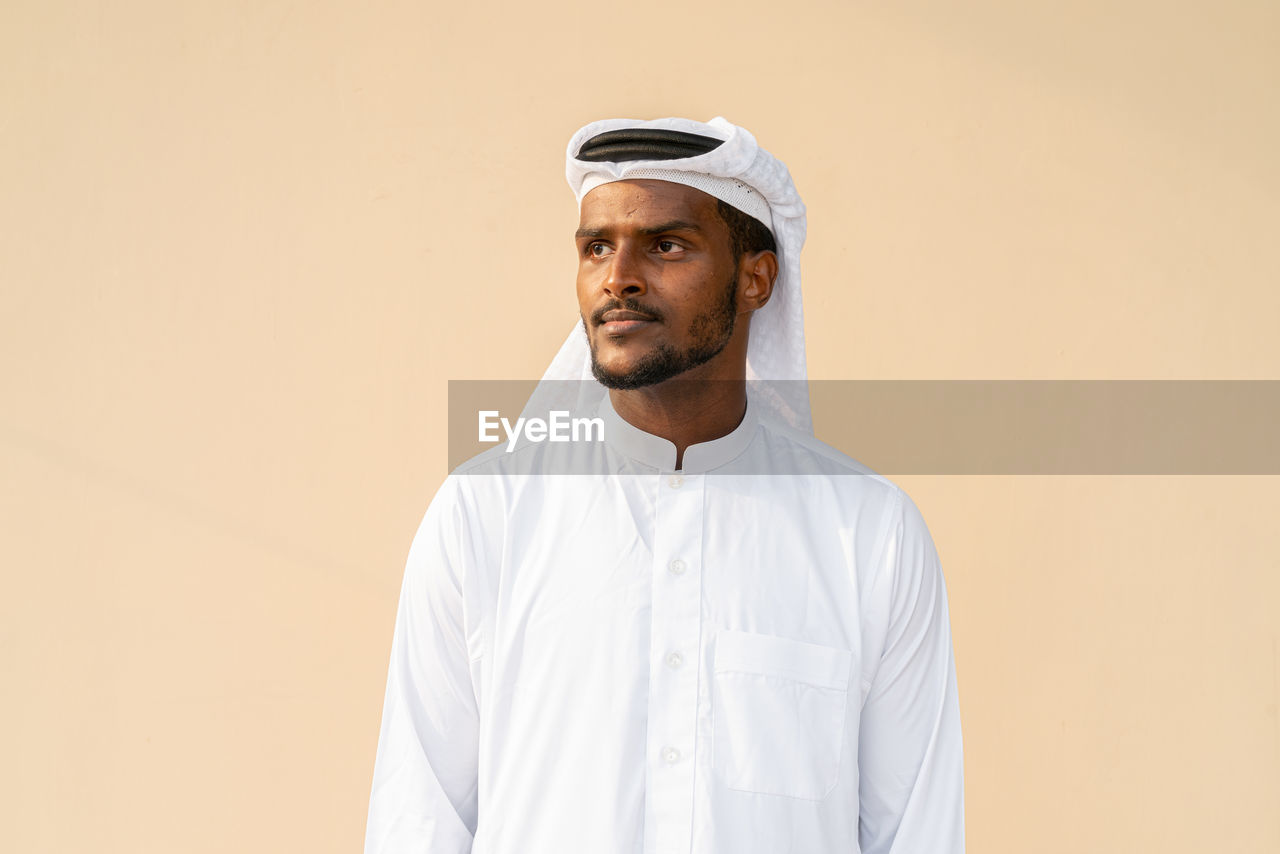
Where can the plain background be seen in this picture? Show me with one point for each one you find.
(244, 245)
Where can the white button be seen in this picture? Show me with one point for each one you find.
(674, 660)
(676, 567)
(670, 755)
(675, 481)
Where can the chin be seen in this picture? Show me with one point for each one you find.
(615, 370)
(618, 368)
(621, 358)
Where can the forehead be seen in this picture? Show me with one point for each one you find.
(639, 202)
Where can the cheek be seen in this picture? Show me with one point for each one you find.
(582, 286)
(694, 294)
(585, 290)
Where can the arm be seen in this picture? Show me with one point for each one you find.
(911, 788)
(424, 778)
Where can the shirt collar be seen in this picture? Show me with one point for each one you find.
(659, 453)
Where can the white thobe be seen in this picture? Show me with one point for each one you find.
(749, 655)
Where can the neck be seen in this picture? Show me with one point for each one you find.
(684, 412)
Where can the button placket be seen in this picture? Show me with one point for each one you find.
(675, 637)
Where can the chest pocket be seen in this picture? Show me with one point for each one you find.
(778, 714)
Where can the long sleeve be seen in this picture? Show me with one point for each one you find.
(911, 789)
(425, 775)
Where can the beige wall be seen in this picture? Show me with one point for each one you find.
(244, 245)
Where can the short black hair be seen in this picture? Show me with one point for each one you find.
(746, 233)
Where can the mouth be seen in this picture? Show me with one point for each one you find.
(621, 322)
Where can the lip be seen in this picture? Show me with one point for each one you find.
(620, 321)
(621, 327)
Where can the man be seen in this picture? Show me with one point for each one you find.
(719, 636)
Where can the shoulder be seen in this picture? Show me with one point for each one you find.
(496, 460)
(883, 509)
(795, 451)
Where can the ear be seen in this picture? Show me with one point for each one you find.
(756, 274)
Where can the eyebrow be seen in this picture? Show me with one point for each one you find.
(663, 228)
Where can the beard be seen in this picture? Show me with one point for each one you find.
(709, 333)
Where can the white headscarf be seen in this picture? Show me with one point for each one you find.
(776, 346)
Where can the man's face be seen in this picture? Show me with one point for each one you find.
(657, 281)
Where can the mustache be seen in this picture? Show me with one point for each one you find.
(630, 304)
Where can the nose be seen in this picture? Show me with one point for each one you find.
(623, 277)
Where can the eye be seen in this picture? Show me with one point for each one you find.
(669, 246)
(597, 250)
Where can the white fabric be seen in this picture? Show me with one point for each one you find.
(734, 191)
(732, 659)
(776, 347)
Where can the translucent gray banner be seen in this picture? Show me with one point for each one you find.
(899, 427)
